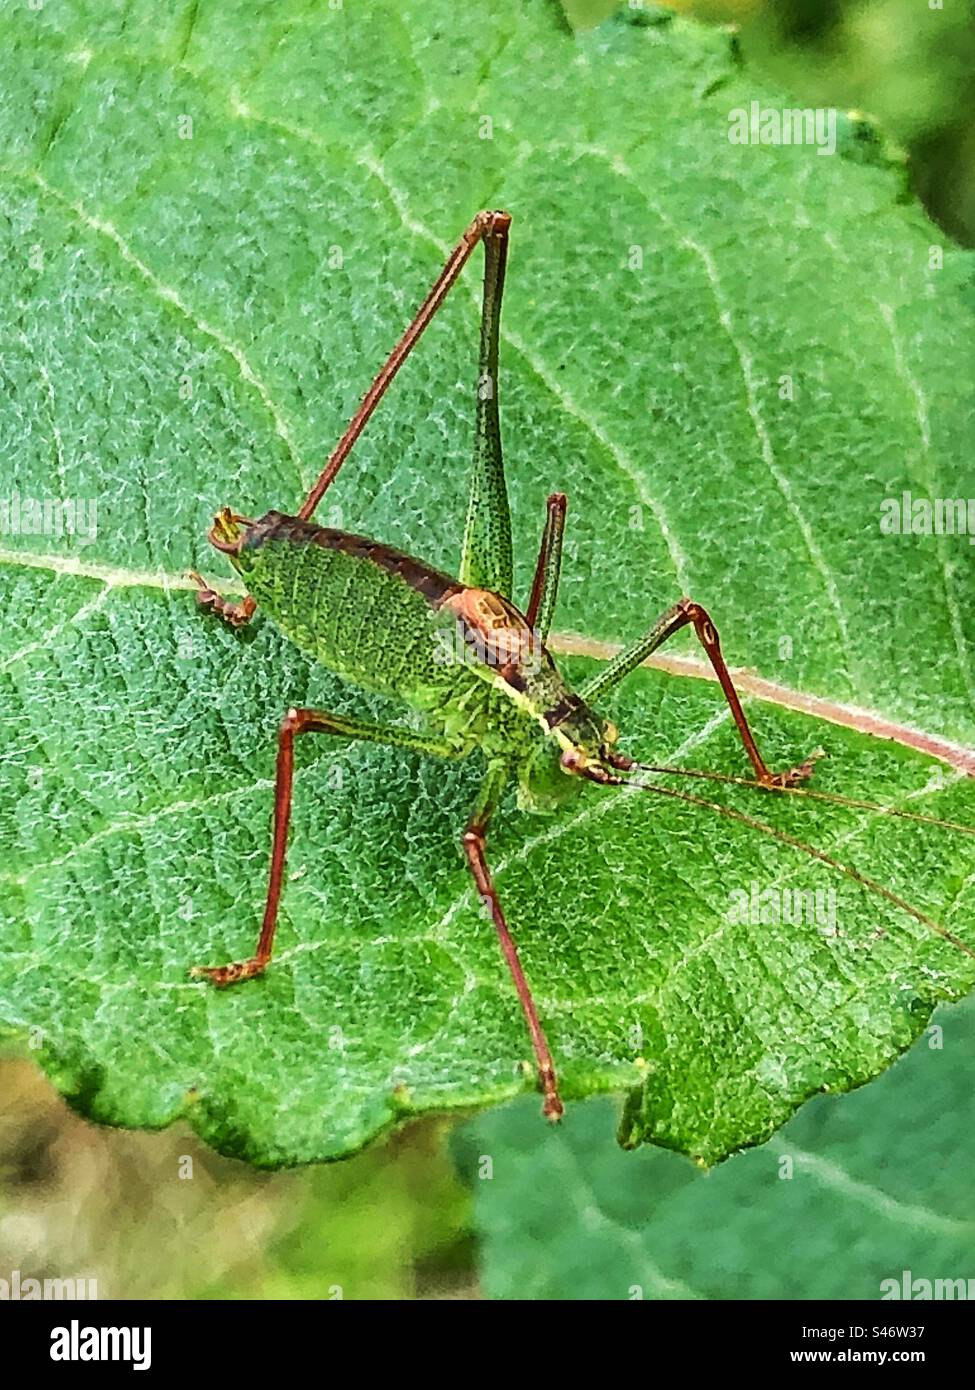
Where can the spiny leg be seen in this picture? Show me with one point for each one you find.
(488, 226)
(486, 561)
(683, 612)
(475, 836)
(295, 722)
(545, 586)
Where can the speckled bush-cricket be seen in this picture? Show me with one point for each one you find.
(459, 650)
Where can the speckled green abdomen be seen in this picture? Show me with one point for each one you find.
(369, 613)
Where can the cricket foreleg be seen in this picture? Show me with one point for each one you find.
(685, 612)
(545, 587)
(295, 722)
(474, 847)
(237, 614)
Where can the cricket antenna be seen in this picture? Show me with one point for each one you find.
(777, 789)
(752, 823)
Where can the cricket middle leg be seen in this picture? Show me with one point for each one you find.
(475, 837)
(295, 722)
(685, 612)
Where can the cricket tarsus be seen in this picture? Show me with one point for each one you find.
(236, 614)
(504, 696)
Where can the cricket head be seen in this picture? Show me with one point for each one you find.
(579, 744)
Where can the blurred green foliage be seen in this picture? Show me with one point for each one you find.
(162, 1216)
(880, 1181)
(906, 64)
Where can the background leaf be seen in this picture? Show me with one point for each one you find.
(843, 1198)
(190, 321)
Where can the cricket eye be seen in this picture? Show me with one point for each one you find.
(572, 760)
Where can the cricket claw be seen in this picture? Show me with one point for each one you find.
(204, 594)
(223, 975)
(795, 775)
(553, 1109)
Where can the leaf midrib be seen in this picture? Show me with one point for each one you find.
(861, 718)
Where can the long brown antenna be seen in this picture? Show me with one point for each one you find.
(781, 835)
(831, 798)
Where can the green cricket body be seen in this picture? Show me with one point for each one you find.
(457, 650)
(464, 656)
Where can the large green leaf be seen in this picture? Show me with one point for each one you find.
(189, 322)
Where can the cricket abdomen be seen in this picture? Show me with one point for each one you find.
(368, 612)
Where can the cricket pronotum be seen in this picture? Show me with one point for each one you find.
(460, 651)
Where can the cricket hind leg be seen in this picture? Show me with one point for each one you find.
(486, 556)
(488, 226)
(683, 613)
(295, 722)
(475, 843)
(489, 522)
